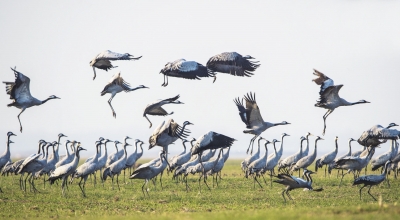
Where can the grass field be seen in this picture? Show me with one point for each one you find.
(234, 198)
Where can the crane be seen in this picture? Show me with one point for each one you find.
(252, 157)
(290, 160)
(354, 163)
(218, 166)
(251, 116)
(272, 160)
(116, 85)
(167, 133)
(185, 69)
(211, 140)
(348, 154)
(60, 135)
(20, 92)
(5, 158)
(292, 182)
(114, 156)
(149, 172)
(155, 108)
(103, 60)
(377, 135)
(84, 170)
(258, 165)
(66, 170)
(381, 160)
(307, 160)
(305, 151)
(232, 63)
(116, 167)
(329, 96)
(35, 164)
(328, 158)
(372, 180)
(68, 157)
(203, 168)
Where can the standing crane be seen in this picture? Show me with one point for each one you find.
(290, 160)
(305, 151)
(66, 170)
(372, 180)
(272, 160)
(60, 135)
(185, 69)
(84, 170)
(116, 167)
(149, 172)
(328, 158)
(257, 166)
(203, 168)
(232, 63)
(280, 152)
(348, 154)
(116, 85)
(6, 157)
(354, 163)
(103, 60)
(155, 108)
(68, 157)
(167, 133)
(20, 92)
(307, 160)
(245, 163)
(251, 116)
(381, 160)
(329, 95)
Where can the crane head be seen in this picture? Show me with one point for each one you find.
(10, 134)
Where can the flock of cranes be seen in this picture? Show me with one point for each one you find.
(210, 151)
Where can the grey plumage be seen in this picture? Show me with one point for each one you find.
(251, 116)
(155, 108)
(232, 63)
(327, 158)
(185, 69)
(378, 134)
(116, 85)
(288, 161)
(308, 160)
(19, 92)
(371, 180)
(329, 95)
(103, 60)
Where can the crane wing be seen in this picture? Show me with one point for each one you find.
(20, 88)
(157, 111)
(253, 114)
(171, 99)
(242, 111)
(119, 81)
(212, 140)
(330, 94)
(186, 69)
(232, 63)
(109, 55)
(322, 80)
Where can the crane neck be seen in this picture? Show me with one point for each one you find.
(349, 152)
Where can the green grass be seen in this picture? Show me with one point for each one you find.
(235, 198)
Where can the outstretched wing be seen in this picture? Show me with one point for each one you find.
(157, 111)
(232, 63)
(242, 110)
(186, 69)
(253, 114)
(330, 94)
(109, 55)
(20, 88)
(322, 80)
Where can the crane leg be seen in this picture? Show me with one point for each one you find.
(289, 196)
(283, 195)
(20, 125)
(255, 179)
(205, 181)
(109, 102)
(148, 120)
(264, 179)
(250, 145)
(370, 193)
(25, 183)
(79, 184)
(199, 182)
(270, 177)
(118, 183)
(324, 117)
(325, 170)
(342, 178)
(94, 77)
(145, 181)
(360, 191)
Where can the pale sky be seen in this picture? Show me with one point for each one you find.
(356, 43)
